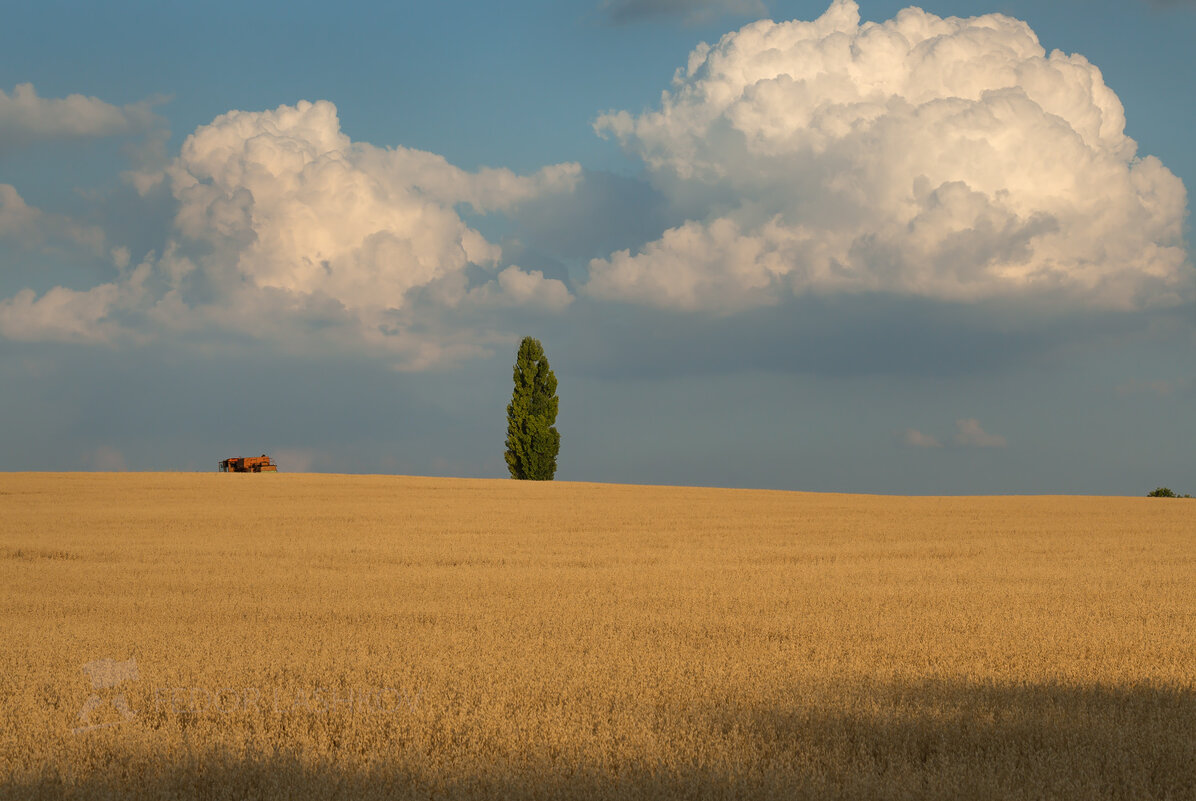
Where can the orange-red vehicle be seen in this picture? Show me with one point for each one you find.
(248, 464)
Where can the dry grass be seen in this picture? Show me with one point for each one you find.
(337, 636)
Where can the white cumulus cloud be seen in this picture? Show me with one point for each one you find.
(952, 159)
(285, 225)
(517, 287)
(288, 202)
(59, 315)
(62, 314)
(26, 117)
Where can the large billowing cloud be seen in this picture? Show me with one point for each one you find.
(950, 159)
(285, 225)
(291, 204)
(25, 117)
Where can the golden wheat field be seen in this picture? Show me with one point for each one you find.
(294, 636)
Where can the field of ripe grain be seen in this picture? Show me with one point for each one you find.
(288, 636)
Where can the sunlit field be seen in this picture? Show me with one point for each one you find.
(288, 636)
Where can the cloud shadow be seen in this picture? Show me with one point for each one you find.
(939, 738)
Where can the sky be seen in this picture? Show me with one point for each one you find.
(823, 246)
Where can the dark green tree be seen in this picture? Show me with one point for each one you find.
(532, 439)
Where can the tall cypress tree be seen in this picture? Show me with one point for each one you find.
(532, 439)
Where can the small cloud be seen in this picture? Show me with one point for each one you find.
(295, 460)
(32, 228)
(120, 257)
(1133, 387)
(532, 288)
(692, 12)
(17, 218)
(60, 315)
(106, 459)
(916, 439)
(969, 434)
(26, 117)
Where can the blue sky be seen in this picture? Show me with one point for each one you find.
(919, 256)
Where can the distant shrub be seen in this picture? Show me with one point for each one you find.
(1164, 492)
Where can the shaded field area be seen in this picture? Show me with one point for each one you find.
(280, 636)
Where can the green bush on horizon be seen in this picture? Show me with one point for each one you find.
(1165, 492)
